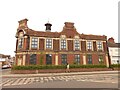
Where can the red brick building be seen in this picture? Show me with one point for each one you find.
(57, 48)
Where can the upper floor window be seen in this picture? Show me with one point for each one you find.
(20, 43)
(89, 45)
(34, 43)
(48, 43)
(99, 45)
(77, 44)
(21, 34)
(63, 44)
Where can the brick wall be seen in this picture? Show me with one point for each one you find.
(70, 45)
(83, 46)
(56, 45)
(41, 44)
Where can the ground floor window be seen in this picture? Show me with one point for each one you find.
(77, 59)
(33, 59)
(89, 59)
(48, 59)
(100, 59)
(64, 59)
(19, 61)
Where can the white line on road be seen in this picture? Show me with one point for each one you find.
(16, 82)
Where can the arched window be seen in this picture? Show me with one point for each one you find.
(20, 39)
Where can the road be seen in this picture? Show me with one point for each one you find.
(69, 81)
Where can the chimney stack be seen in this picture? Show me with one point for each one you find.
(69, 25)
(111, 40)
(23, 23)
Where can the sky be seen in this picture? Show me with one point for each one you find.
(97, 17)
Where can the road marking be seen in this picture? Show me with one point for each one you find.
(31, 80)
(36, 79)
(16, 82)
(5, 82)
(27, 81)
(41, 78)
(9, 83)
(22, 81)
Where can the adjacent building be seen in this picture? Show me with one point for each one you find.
(5, 60)
(59, 48)
(114, 51)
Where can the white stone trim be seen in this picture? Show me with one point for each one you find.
(84, 59)
(107, 61)
(38, 44)
(56, 60)
(30, 43)
(66, 44)
(24, 57)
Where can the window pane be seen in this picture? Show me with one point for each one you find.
(64, 58)
(34, 43)
(100, 59)
(20, 43)
(48, 43)
(77, 44)
(89, 58)
(99, 45)
(33, 59)
(77, 59)
(89, 44)
(63, 44)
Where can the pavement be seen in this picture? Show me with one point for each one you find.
(56, 74)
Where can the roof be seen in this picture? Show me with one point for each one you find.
(113, 44)
(69, 34)
(69, 30)
(4, 56)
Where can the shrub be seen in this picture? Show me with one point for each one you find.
(115, 66)
(87, 66)
(37, 67)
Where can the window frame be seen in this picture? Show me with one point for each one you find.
(48, 43)
(76, 44)
(34, 43)
(33, 60)
(99, 45)
(63, 43)
(89, 58)
(99, 59)
(89, 45)
(20, 42)
(77, 58)
(63, 59)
